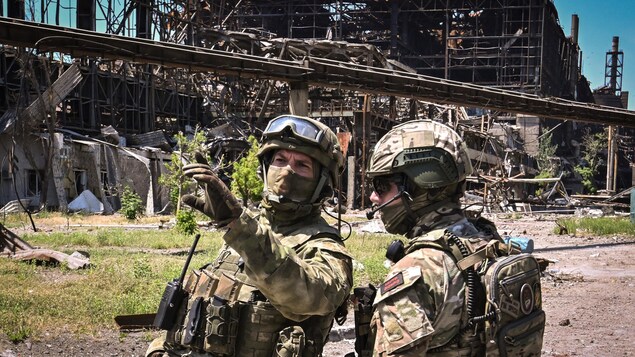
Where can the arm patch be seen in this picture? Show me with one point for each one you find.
(391, 283)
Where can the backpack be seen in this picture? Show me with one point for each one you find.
(504, 299)
(514, 321)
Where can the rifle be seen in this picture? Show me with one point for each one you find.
(173, 295)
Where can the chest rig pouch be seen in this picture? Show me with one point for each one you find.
(208, 321)
(226, 316)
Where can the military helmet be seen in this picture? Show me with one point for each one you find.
(429, 153)
(307, 136)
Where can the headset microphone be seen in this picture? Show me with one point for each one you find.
(370, 214)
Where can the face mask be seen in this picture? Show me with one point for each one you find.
(431, 210)
(393, 217)
(285, 183)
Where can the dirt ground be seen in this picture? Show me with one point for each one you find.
(588, 295)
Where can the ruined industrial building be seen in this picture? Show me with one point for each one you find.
(93, 92)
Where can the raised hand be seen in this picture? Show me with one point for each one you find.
(219, 203)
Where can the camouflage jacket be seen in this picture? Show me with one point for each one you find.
(300, 269)
(279, 277)
(420, 306)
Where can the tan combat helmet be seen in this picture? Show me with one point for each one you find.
(309, 137)
(429, 153)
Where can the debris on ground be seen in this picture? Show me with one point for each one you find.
(12, 246)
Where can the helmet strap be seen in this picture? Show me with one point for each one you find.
(410, 218)
(324, 175)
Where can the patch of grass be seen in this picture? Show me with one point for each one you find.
(113, 237)
(19, 333)
(369, 250)
(49, 218)
(122, 281)
(128, 276)
(598, 226)
(349, 218)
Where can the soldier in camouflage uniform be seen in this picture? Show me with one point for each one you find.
(284, 272)
(418, 171)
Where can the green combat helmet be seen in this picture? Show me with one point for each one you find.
(430, 154)
(429, 163)
(309, 137)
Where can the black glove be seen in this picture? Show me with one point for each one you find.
(219, 203)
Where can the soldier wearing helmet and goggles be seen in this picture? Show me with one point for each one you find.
(277, 283)
(418, 171)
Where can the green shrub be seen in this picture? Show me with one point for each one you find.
(546, 151)
(186, 222)
(173, 179)
(130, 204)
(592, 145)
(246, 183)
(587, 178)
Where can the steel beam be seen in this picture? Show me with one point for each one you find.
(315, 71)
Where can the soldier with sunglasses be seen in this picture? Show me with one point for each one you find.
(418, 171)
(283, 273)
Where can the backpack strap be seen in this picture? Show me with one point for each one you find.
(437, 239)
(490, 251)
(463, 254)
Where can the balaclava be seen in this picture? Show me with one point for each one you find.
(428, 210)
(289, 194)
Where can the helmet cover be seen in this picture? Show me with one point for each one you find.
(429, 153)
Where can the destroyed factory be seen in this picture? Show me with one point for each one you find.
(93, 93)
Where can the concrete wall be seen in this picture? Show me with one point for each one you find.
(139, 169)
(529, 131)
(25, 158)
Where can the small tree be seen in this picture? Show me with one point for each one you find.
(546, 150)
(186, 222)
(245, 181)
(173, 179)
(593, 144)
(131, 204)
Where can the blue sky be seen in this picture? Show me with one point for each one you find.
(600, 20)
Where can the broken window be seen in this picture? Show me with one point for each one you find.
(80, 181)
(33, 182)
(104, 183)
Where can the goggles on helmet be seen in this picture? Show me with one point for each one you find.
(299, 128)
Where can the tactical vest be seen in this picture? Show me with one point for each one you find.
(503, 313)
(226, 315)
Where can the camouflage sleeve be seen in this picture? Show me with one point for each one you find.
(314, 280)
(419, 304)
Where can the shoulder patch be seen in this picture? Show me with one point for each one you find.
(391, 283)
(400, 281)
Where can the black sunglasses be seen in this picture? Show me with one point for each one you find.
(381, 184)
